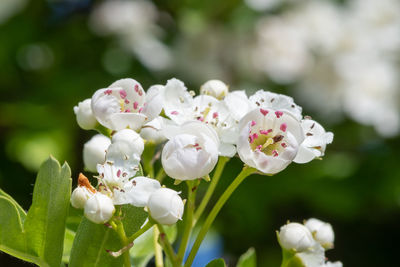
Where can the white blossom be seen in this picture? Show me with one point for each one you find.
(314, 144)
(269, 139)
(295, 236)
(321, 231)
(99, 208)
(191, 152)
(153, 130)
(215, 88)
(79, 197)
(94, 151)
(84, 115)
(165, 206)
(131, 138)
(121, 105)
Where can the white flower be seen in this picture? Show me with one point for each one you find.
(79, 197)
(269, 139)
(165, 206)
(121, 105)
(153, 130)
(94, 151)
(191, 152)
(315, 141)
(131, 138)
(99, 208)
(264, 99)
(181, 107)
(84, 115)
(333, 264)
(321, 231)
(215, 88)
(135, 191)
(295, 236)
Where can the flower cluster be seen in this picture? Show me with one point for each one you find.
(266, 130)
(306, 243)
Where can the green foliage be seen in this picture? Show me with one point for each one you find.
(216, 263)
(143, 249)
(38, 236)
(248, 259)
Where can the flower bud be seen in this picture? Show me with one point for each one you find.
(215, 88)
(84, 115)
(295, 236)
(99, 208)
(79, 197)
(94, 151)
(132, 138)
(321, 231)
(165, 206)
(153, 130)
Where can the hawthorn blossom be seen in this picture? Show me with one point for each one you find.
(321, 231)
(121, 105)
(315, 141)
(94, 151)
(84, 115)
(165, 206)
(269, 139)
(99, 208)
(191, 152)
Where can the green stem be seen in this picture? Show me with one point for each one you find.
(166, 245)
(121, 233)
(160, 175)
(213, 184)
(246, 171)
(146, 227)
(157, 248)
(188, 221)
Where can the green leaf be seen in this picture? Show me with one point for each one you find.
(38, 236)
(248, 259)
(90, 244)
(12, 238)
(143, 249)
(216, 263)
(46, 218)
(68, 241)
(20, 210)
(93, 240)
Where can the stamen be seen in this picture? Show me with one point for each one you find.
(277, 138)
(135, 105)
(264, 111)
(118, 173)
(283, 127)
(215, 115)
(253, 123)
(122, 93)
(283, 145)
(275, 153)
(278, 114)
(174, 112)
(108, 92)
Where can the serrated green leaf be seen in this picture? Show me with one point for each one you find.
(92, 240)
(143, 250)
(248, 259)
(216, 263)
(45, 222)
(39, 235)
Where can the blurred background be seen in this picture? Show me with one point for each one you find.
(340, 60)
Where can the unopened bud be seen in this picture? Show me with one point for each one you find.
(84, 115)
(165, 206)
(215, 88)
(94, 151)
(99, 208)
(295, 236)
(79, 197)
(130, 137)
(322, 232)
